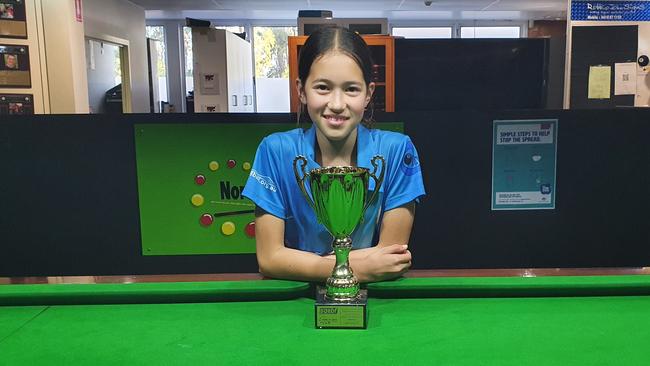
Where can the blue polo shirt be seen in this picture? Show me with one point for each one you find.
(272, 184)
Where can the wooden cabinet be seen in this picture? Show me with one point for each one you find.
(382, 49)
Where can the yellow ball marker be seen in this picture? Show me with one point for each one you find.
(246, 166)
(197, 200)
(214, 166)
(228, 228)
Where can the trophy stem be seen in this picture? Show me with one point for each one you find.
(342, 285)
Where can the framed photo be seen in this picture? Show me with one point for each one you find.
(13, 20)
(16, 104)
(14, 67)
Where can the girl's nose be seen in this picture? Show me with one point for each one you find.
(336, 102)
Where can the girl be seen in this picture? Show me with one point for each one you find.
(334, 85)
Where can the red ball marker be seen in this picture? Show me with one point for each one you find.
(206, 219)
(199, 179)
(250, 229)
(231, 163)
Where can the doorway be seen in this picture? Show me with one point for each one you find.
(108, 76)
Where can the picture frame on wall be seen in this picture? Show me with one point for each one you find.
(16, 104)
(13, 19)
(14, 66)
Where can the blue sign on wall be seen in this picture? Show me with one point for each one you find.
(523, 164)
(616, 11)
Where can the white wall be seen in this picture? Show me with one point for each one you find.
(65, 58)
(102, 77)
(269, 100)
(124, 20)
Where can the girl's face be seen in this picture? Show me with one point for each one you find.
(336, 95)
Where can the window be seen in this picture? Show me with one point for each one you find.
(422, 32)
(231, 28)
(118, 65)
(490, 32)
(189, 59)
(158, 33)
(272, 67)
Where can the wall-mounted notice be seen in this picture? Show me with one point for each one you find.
(625, 78)
(16, 104)
(523, 164)
(78, 12)
(13, 21)
(600, 82)
(14, 67)
(616, 11)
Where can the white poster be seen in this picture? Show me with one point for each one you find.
(625, 78)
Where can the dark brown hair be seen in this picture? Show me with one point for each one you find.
(339, 39)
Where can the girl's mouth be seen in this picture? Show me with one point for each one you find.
(335, 121)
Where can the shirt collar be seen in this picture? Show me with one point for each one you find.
(366, 149)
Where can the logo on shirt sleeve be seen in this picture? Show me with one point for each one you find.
(410, 163)
(265, 181)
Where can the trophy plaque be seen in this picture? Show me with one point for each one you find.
(339, 198)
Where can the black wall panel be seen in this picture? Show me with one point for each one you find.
(594, 46)
(69, 200)
(457, 74)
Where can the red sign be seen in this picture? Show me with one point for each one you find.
(77, 11)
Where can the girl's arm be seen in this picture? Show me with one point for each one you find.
(277, 261)
(389, 259)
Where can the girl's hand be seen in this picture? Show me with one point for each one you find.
(383, 263)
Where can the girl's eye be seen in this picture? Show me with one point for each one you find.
(321, 87)
(354, 89)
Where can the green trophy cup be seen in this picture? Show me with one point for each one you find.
(339, 197)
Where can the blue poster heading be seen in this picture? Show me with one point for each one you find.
(617, 11)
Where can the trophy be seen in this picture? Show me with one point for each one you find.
(339, 197)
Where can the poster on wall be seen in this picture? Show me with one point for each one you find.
(16, 104)
(14, 67)
(78, 13)
(13, 20)
(523, 164)
(616, 11)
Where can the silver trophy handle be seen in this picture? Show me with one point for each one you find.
(301, 180)
(378, 181)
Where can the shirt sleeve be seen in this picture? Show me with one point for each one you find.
(263, 186)
(404, 176)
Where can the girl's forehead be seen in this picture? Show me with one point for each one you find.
(335, 61)
(334, 54)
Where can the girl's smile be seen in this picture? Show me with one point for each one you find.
(335, 121)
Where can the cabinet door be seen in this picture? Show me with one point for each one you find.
(240, 75)
(247, 65)
(383, 71)
(234, 74)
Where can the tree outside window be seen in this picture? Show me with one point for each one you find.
(272, 67)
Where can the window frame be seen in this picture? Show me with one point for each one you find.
(522, 25)
(450, 27)
(166, 53)
(457, 25)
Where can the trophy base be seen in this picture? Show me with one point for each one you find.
(337, 314)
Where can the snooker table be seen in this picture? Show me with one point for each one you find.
(525, 317)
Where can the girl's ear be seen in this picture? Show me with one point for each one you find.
(371, 90)
(301, 91)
